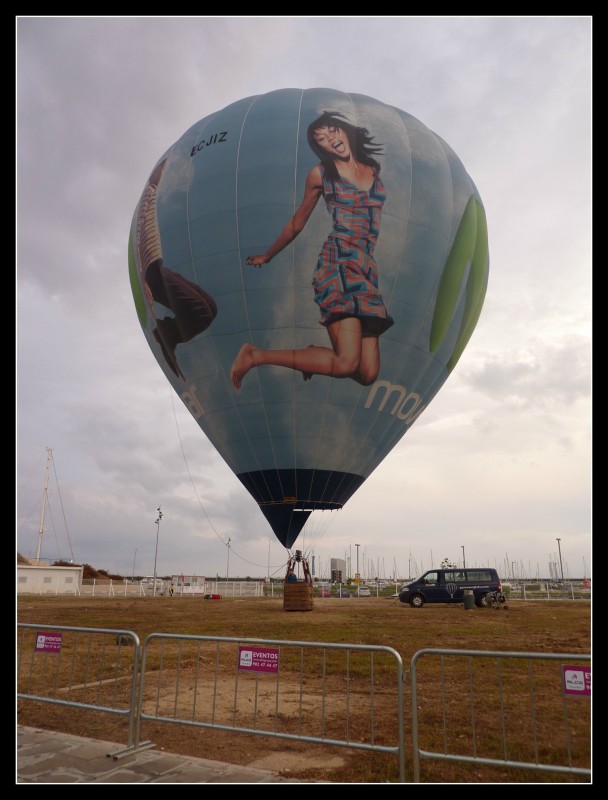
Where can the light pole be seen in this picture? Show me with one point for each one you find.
(561, 566)
(464, 563)
(228, 564)
(157, 523)
(357, 546)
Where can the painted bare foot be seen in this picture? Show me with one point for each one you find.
(242, 364)
(308, 375)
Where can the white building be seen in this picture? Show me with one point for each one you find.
(48, 580)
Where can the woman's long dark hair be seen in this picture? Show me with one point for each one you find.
(361, 143)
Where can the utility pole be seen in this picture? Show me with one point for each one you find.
(357, 546)
(561, 566)
(158, 519)
(464, 563)
(228, 563)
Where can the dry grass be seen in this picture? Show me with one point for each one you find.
(445, 704)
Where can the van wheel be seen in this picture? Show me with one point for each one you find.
(485, 601)
(417, 601)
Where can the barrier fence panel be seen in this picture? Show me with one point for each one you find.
(520, 710)
(334, 694)
(87, 668)
(527, 711)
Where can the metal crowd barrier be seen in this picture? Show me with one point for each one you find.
(306, 691)
(90, 668)
(487, 707)
(468, 707)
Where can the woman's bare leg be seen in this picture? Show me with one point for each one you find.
(307, 375)
(340, 361)
(369, 366)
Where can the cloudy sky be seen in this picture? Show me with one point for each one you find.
(497, 469)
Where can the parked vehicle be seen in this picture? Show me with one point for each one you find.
(363, 591)
(448, 585)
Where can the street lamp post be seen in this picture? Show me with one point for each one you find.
(228, 563)
(357, 546)
(561, 566)
(157, 523)
(464, 563)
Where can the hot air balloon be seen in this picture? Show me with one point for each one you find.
(306, 337)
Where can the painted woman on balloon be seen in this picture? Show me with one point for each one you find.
(193, 308)
(345, 279)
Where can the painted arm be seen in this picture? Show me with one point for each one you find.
(312, 192)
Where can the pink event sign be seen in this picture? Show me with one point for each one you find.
(258, 659)
(48, 643)
(577, 680)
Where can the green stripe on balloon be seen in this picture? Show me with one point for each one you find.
(453, 273)
(470, 246)
(138, 296)
(477, 284)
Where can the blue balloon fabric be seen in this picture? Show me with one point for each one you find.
(307, 267)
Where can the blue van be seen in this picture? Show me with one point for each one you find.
(448, 585)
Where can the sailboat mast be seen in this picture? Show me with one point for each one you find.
(44, 499)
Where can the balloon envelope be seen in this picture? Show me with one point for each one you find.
(413, 232)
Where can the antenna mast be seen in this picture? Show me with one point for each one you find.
(44, 499)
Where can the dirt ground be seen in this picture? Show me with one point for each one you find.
(546, 627)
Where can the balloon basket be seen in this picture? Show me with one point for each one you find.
(297, 596)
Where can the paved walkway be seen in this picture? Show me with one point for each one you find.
(51, 757)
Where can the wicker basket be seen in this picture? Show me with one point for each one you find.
(297, 596)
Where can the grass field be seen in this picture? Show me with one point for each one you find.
(531, 626)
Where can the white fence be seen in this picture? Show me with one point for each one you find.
(95, 587)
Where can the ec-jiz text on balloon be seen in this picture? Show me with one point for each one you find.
(215, 138)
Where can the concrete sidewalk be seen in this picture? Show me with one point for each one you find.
(51, 757)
